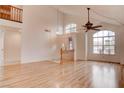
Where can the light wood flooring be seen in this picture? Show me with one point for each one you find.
(69, 75)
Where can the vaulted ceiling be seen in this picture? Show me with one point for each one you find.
(103, 13)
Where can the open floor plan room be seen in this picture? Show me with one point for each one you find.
(61, 46)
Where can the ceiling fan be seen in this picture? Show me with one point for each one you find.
(89, 25)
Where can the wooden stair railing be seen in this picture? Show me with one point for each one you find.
(11, 13)
(61, 61)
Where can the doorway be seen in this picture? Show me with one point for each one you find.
(1, 47)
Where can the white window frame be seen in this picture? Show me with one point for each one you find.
(102, 45)
(70, 28)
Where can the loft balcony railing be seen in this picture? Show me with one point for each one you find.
(11, 13)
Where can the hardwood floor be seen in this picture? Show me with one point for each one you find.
(76, 75)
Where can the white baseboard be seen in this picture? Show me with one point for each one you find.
(11, 62)
(27, 62)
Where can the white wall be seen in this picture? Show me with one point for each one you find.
(12, 41)
(80, 47)
(1, 47)
(38, 45)
(121, 43)
(12, 47)
(12, 24)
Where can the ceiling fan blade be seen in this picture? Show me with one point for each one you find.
(96, 29)
(86, 30)
(96, 26)
(84, 26)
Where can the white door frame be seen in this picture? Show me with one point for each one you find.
(1, 47)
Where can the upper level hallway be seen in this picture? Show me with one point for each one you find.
(11, 13)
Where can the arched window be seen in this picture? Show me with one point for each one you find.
(104, 42)
(70, 28)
